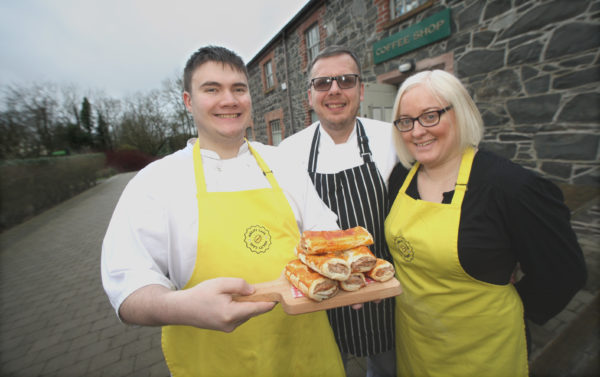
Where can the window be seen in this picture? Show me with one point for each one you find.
(312, 34)
(275, 126)
(312, 41)
(270, 82)
(268, 72)
(276, 134)
(401, 7)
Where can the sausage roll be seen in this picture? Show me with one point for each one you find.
(383, 271)
(310, 283)
(316, 242)
(355, 282)
(361, 259)
(331, 265)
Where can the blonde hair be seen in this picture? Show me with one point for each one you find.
(448, 90)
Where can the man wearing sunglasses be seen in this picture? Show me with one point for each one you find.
(349, 160)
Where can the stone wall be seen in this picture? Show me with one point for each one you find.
(532, 67)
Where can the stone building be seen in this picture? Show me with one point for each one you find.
(532, 67)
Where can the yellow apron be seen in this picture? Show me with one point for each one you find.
(448, 323)
(249, 234)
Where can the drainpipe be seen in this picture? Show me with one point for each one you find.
(287, 83)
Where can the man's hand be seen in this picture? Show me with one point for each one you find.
(208, 305)
(359, 306)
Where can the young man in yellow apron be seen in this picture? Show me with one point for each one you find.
(199, 226)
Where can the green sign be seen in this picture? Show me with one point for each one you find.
(425, 32)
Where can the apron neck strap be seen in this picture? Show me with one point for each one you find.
(199, 170)
(314, 150)
(409, 177)
(463, 175)
(363, 142)
(461, 182)
(267, 172)
(363, 145)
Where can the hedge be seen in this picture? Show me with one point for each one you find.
(28, 187)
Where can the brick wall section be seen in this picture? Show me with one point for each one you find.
(532, 67)
(307, 109)
(383, 14)
(266, 101)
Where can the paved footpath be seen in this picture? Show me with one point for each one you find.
(55, 319)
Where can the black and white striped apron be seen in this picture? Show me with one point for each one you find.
(359, 197)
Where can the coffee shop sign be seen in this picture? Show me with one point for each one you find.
(425, 32)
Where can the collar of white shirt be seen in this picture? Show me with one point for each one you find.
(207, 153)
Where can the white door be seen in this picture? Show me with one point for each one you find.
(378, 101)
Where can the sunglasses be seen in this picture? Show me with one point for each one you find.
(323, 84)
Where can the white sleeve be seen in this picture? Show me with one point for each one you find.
(135, 247)
(310, 211)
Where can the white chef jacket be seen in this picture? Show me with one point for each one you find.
(152, 236)
(334, 158)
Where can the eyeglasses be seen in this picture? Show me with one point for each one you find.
(427, 119)
(323, 84)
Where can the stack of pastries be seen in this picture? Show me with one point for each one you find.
(332, 260)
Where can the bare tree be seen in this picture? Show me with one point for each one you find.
(111, 111)
(33, 109)
(13, 135)
(144, 125)
(172, 95)
(37, 119)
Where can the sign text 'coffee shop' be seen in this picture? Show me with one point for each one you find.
(425, 32)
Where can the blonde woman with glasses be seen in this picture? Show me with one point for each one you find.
(461, 221)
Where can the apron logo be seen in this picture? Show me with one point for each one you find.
(405, 249)
(257, 239)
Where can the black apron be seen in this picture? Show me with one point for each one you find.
(359, 197)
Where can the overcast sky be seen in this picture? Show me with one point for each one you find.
(126, 46)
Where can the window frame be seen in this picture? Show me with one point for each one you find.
(404, 16)
(267, 59)
(313, 29)
(274, 115)
(272, 133)
(269, 76)
(315, 18)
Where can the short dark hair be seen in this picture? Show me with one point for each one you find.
(211, 54)
(330, 51)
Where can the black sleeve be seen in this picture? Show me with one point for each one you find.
(546, 247)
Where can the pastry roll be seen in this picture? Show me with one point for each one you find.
(331, 265)
(316, 242)
(383, 271)
(310, 283)
(361, 259)
(355, 282)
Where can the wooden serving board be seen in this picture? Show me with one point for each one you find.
(281, 290)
